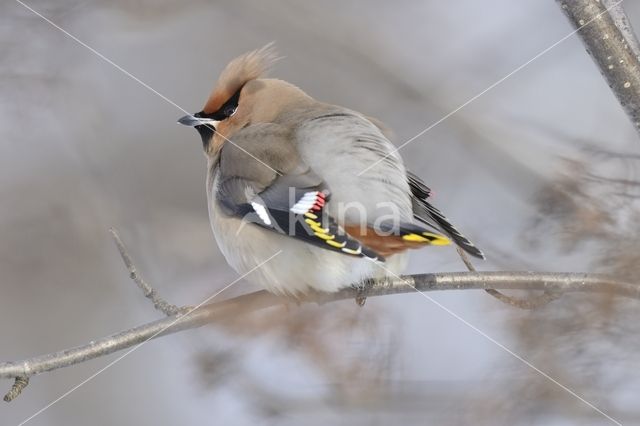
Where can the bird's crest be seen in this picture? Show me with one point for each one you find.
(242, 69)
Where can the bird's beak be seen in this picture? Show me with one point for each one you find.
(192, 121)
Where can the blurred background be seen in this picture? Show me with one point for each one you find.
(541, 172)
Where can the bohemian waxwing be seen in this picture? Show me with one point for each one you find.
(285, 176)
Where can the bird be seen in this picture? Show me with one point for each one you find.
(307, 196)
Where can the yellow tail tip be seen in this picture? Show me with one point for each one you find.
(415, 238)
(437, 240)
(427, 238)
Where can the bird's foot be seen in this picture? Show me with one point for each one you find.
(362, 290)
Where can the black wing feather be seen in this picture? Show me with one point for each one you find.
(292, 205)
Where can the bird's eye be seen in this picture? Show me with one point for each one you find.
(229, 111)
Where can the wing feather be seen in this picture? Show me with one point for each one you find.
(289, 199)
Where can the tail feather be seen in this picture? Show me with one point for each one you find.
(442, 223)
(418, 187)
(428, 215)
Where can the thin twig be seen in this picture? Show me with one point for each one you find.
(149, 292)
(19, 384)
(523, 303)
(526, 303)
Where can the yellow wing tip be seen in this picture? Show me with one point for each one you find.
(323, 235)
(336, 244)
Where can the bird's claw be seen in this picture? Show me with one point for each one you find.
(362, 291)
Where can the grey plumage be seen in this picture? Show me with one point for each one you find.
(273, 196)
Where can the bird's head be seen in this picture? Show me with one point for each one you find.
(241, 98)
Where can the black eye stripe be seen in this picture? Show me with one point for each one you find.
(226, 110)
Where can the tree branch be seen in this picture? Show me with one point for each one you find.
(19, 384)
(219, 311)
(616, 10)
(609, 39)
(149, 292)
(536, 302)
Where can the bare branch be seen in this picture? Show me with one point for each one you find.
(219, 311)
(613, 48)
(149, 292)
(616, 10)
(18, 385)
(546, 297)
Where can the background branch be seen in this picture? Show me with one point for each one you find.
(609, 39)
(219, 311)
(534, 302)
(620, 18)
